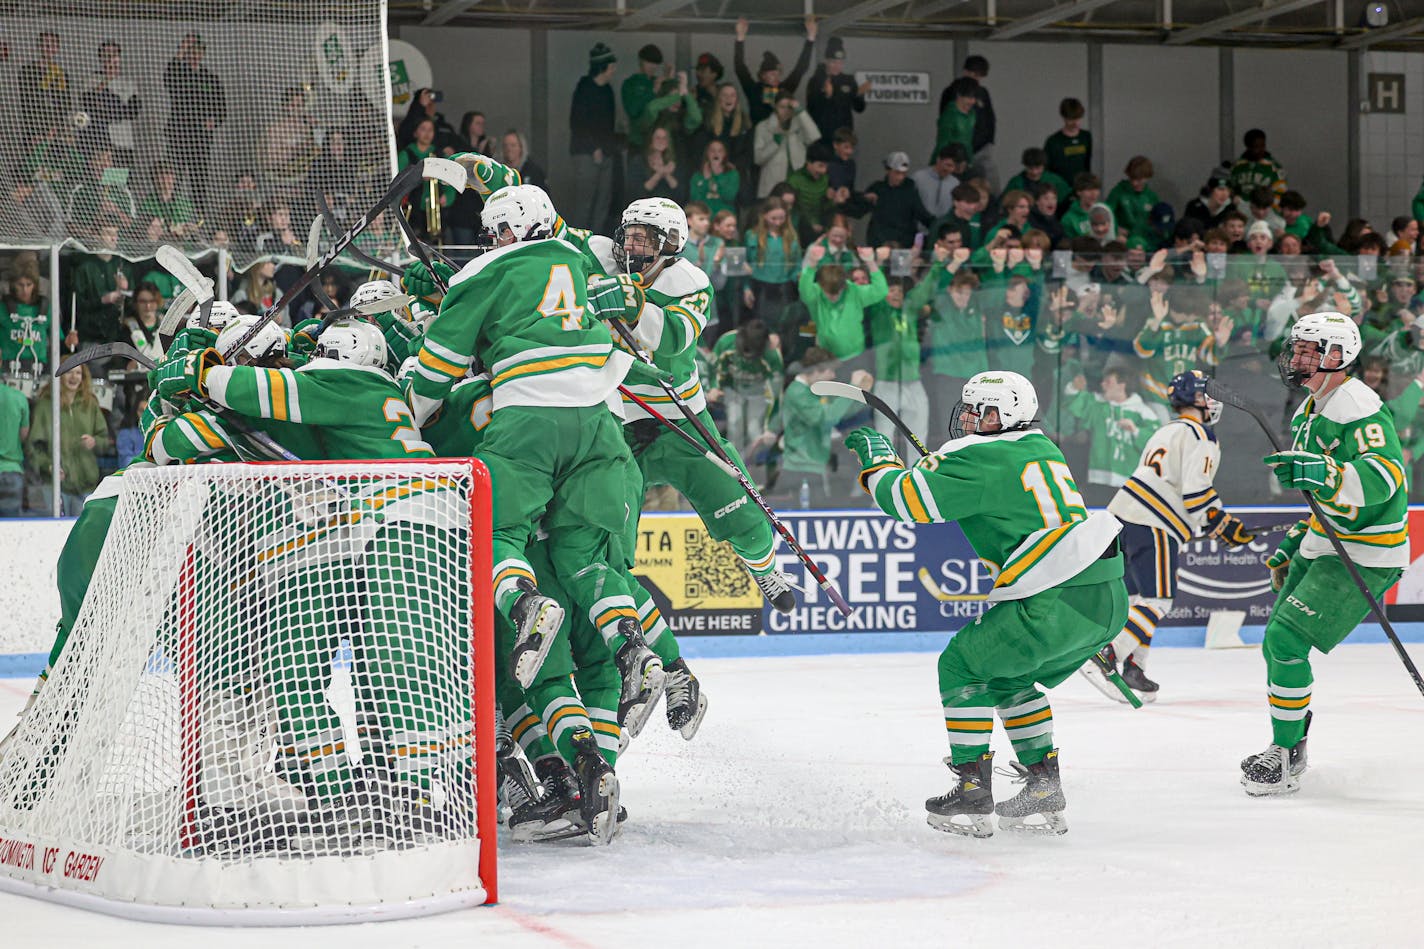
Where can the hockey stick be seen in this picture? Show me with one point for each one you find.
(857, 394)
(1223, 394)
(176, 313)
(707, 452)
(173, 260)
(933, 588)
(313, 252)
(375, 263)
(712, 443)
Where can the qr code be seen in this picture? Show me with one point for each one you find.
(713, 568)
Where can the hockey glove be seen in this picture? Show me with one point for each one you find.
(417, 281)
(302, 345)
(402, 338)
(646, 374)
(873, 450)
(486, 176)
(619, 297)
(189, 339)
(178, 380)
(1227, 528)
(1306, 471)
(1279, 562)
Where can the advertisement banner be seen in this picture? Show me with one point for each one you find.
(899, 577)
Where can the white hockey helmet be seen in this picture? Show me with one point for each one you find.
(668, 223)
(525, 209)
(1329, 330)
(373, 291)
(269, 342)
(353, 341)
(219, 317)
(1009, 392)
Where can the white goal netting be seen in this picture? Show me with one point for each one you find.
(190, 124)
(272, 706)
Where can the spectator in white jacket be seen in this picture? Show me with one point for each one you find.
(779, 143)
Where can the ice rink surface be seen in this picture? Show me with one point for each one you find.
(795, 818)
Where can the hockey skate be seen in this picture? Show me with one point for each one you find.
(971, 799)
(643, 679)
(1137, 680)
(684, 702)
(776, 587)
(1042, 795)
(1098, 671)
(235, 760)
(1276, 770)
(534, 813)
(536, 620)
(598, 789)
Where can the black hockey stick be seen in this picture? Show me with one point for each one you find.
(1223, 394)
(857, 394)
(712, 443)
(375, 263)
(261, 439)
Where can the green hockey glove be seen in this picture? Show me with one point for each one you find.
(188, 339)
(646, 374)
(1227, 528)
(619, 297)
(402, 336)
(178, 380)
(1306, 471)
(417, 281)
(486, 176)
(873, 450)
(1279, 561)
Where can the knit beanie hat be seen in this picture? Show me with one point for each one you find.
(600, 56)
(768, 61)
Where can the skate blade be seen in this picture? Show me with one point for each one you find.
(979, 825)
(638, 713)
(604, 826)
(1102, 684)
(1146, 697)
(689, 730)
(548, 830)
(1290, 785)
(541, 640)
(1052, 825)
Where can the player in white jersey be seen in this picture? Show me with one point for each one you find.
(1166, 502)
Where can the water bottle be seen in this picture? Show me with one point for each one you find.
(805, 495)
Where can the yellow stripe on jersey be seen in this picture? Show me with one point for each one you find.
(613, 615)
(1393, 467)
(1289, 703)
(201, 426)
(1036, 553)
(589, 360)
(563, 713)
(969, 724)
(523, 725)
(1392, 539)
(442, 366)
(913, 502)
(608, 728)
(277, 385)
(1149, 498)
(1032, 718)
(683, 394)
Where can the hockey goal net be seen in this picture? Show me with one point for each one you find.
(277, 704)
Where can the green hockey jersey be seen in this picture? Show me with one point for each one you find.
(1171, 349)
(1369, 506)
(521, 310)
(1015, 499)
(458, 428)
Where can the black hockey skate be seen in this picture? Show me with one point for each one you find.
(534, 812)
(1042, 795)
(643, 679)
(972, 799)
(536, 620)
(776, 587)
(1276, 770)
(598, 789)
(684, 702)
(1137, 680)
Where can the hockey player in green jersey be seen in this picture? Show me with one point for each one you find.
(553, 446)
(665, 301)
(1345, 452)
(1176, 338)
(1058, 594)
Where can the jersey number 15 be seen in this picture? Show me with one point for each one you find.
(1052, 487)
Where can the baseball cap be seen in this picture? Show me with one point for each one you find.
(897, 161)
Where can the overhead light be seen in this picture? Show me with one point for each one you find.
(1377, 15)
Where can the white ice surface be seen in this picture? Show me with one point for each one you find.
(795, 819)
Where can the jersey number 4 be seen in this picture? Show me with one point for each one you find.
(1052, 487)
(560, 298)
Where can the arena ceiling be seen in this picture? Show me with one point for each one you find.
(1281, 23)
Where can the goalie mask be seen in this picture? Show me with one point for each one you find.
(1330, 332)
(994, 397)
(1189, 389)
(524, 210)
(652, 230)
(219, 317)
(376, 290)
(353, 341)
(270, 341)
